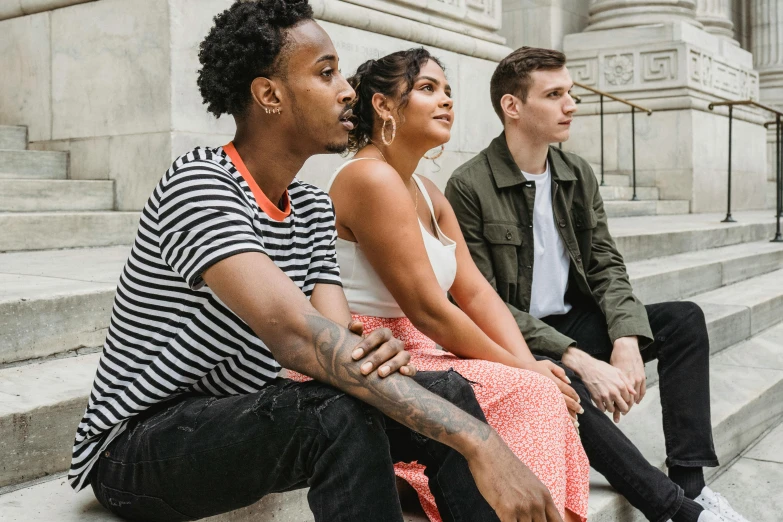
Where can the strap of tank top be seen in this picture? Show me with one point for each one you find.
(341, 167)
(426, 194)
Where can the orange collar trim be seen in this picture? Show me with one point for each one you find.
(269, 208)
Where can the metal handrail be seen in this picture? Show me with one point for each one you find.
(634, 108)
(613, 97)
(778, 167)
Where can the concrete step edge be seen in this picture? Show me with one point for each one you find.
(66, 229)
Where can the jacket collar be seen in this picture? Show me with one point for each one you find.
(507, 174)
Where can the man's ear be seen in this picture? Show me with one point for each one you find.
(266, 94)
(509, 104)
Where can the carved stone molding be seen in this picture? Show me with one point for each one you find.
(659, 65)
(15, 8)
(584, 71)
(472, 15)
(618, 68)
(721, 78)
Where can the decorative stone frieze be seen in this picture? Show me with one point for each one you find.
(664, 66)
(618, 69)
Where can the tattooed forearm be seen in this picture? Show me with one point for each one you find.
(397, 396)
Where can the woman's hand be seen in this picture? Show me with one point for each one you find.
(558, 375)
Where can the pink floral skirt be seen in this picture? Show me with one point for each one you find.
(525, 408)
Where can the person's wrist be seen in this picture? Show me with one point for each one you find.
(472, 445)
(574, 358)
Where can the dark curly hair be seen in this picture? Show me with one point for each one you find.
(386, 76)
(245, 43)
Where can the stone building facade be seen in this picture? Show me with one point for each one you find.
(114, 81)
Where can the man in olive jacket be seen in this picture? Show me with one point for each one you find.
(535, 224)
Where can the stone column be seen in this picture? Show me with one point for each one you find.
(715, 16)
(658, 54)
(767, 48)
(613, 14)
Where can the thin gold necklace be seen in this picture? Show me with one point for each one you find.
(415, 185)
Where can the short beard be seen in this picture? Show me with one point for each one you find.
(337, 148)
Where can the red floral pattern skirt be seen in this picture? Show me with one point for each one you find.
(525, 408)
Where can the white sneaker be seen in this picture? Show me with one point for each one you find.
(709, 516)
(717, 504)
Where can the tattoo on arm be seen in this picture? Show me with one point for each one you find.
(397, 396)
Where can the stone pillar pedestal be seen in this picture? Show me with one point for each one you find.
(656, 54)
(614, 14)
(767, 48)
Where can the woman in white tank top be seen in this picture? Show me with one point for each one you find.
(400, 250)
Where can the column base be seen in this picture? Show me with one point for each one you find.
(676, 70)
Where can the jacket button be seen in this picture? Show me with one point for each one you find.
(530, 266)
(562, 224)
(508, 235)
(528, 184)
(530, 226)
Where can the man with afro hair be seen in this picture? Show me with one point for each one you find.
(231, 278)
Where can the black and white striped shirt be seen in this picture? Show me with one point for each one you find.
(169, 333)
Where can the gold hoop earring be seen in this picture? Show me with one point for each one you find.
(393, 131)
(437, 155)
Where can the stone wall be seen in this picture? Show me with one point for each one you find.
(114, 82)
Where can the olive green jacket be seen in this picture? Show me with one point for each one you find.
(494, 205)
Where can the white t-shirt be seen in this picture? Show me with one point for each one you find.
(550, 257)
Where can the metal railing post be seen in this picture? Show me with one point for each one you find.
(602, 139)
(729, 219)
(633, 150)
(778, 176)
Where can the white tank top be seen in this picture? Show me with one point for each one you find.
(364, 289)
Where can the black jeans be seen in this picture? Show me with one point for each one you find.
(198, 456)
(682, 349)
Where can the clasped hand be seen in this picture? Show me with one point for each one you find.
(617, 386)
(381, 350)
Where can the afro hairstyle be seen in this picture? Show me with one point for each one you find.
(247, 41)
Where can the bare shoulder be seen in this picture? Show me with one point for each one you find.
(439, 201)
(368, 174)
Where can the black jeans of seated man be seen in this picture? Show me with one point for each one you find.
(198, 456)
(681, 346)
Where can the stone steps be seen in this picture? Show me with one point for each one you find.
(50, 230)
(643, 238)
(36, 395)
(746, 382)
(33, 164)
(36, 195)
(646, 207)
(13, 137)
(684, 275)
(66, 294)
(747, 390)
(624, 193)
(755, 481)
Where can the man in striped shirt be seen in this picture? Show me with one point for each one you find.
(233, 274)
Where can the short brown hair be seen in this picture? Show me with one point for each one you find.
(512, 75)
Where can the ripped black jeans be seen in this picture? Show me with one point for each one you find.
(198, 456)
